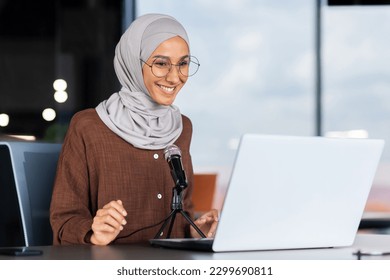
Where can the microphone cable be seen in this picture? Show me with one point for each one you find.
(147, 227)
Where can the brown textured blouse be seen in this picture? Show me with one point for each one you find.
(96, 166)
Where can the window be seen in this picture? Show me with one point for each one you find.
(356, 80)
(256, 73)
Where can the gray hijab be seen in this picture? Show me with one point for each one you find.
(131, 113)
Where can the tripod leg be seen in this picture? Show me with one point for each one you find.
(171, 225)
(165, 224)
(192, 224)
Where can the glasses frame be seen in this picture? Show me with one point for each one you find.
(177, 65)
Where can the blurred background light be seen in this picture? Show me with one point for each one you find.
(4, 120)
(49, 114)
(356, 133)
(60, 96)
(60, 85)
(24, 137)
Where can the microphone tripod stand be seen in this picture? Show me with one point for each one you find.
(177, 207)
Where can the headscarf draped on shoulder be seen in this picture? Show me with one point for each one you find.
(131, 113)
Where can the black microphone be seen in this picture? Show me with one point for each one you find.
(172, 155)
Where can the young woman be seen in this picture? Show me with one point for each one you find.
(113, 183)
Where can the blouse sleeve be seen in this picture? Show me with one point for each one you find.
(70, 214)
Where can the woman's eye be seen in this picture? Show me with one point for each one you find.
(161, 63)
(184, 63)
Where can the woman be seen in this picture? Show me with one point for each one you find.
(113, 183)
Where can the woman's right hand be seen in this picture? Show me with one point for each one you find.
(108, 222)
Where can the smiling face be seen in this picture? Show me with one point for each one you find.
(164, 90)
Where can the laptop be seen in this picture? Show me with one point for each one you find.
(292, 192)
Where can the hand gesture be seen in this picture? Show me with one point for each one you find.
(108, 222)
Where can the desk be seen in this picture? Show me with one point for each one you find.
(364, 242)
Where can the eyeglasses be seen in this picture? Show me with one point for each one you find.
(162, 65)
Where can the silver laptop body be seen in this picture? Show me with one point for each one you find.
(289, 192)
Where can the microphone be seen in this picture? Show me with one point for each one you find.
(172, 155)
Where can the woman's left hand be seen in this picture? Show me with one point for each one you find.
(207, 223)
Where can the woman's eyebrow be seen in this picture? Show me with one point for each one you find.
(160, 56)
(163, 56)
